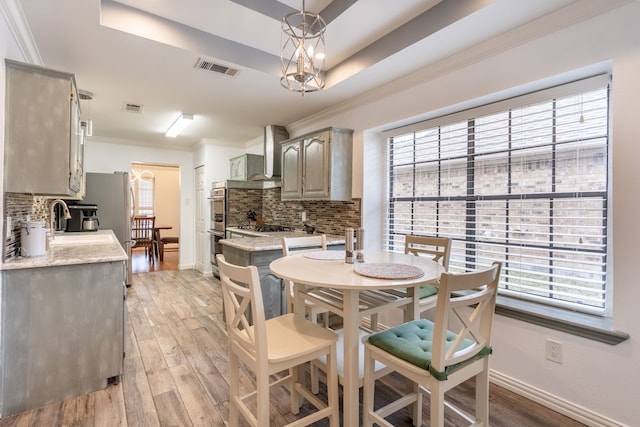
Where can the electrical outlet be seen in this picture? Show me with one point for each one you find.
(303, 216)
(554, 351)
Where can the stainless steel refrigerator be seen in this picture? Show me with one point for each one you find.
(111, 192)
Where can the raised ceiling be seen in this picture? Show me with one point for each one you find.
(144, 53)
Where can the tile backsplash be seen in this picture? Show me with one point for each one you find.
(21, 208)
(326, 216)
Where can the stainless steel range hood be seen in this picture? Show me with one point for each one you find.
(273, 135)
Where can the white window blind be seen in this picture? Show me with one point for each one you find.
(523, 181)
(144, 191)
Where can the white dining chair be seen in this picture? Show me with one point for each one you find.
(268, 347)
(436, 248)
(432, 356)
(302, 244)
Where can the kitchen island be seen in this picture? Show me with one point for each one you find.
(260, 249)
(62, 321)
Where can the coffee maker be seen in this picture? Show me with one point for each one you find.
(83, 217)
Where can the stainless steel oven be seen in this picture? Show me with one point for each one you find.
(218, 204)
(218, 207)
(216, 248)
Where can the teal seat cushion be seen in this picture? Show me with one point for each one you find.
(413, 342)
(427, 291)
(424, 291)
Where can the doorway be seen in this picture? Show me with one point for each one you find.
(156, 192)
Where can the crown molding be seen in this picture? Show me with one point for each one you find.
(19, 28)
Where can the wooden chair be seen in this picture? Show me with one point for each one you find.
(142, 234)
(466, 303)
(169, 240)
(268, 347)
(292, 245)
(439, 249)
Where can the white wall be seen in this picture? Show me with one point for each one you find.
(595, 379)
(106, 156)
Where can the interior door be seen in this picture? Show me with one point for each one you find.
(202, 238)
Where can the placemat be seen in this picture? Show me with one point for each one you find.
(325, 255)
(385, 270)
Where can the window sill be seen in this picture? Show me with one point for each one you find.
(584, 325)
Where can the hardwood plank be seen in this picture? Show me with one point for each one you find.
(139, 404)
(200, 406)
(79, 411)
(171, 410)
(18, 420)
(110, 408)
(49, 415)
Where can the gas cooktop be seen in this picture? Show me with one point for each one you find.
(265, 228)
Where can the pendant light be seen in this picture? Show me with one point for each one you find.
(302, 54)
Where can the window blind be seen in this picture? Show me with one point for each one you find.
(144, 190)
(524, 181)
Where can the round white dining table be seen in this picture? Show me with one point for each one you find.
(306, 271)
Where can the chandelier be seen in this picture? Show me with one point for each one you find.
(303, 51)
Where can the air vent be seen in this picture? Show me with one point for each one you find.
(209, 65)
(132, 108)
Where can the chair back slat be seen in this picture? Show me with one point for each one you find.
(465, 306)
(439, 248)
(142, 230)
(242, 295)
(292, 245)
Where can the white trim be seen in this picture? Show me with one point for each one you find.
(19, 27)
(564, 407)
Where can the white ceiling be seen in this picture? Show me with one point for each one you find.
(144, 51)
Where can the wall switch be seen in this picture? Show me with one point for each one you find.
(8, 230)
(554, 351)
(303, 215)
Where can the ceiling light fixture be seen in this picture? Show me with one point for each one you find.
(181, 122)
(303, 51)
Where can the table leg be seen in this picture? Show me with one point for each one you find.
(351, 386)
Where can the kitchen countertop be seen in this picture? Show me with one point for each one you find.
(70, 254)
(271, 240)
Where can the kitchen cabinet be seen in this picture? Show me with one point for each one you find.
(244, 167)
(62, 332)
(273, 295)
(318, 166)
(44, 141)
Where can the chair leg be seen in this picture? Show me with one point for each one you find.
(332, 387)
(234, 389)
(262, 397)
(482, 395)
(368, 389)
(437, 406)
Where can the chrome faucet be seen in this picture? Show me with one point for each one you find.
(65, 211)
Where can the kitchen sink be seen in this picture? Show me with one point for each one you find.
(81, 239)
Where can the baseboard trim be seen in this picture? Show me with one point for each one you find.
(555, 403)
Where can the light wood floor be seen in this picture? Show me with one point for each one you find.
(175, 369)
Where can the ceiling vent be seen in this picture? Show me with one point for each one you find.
(209, 65)
(132, 108)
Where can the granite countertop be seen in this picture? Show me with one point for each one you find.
(70, 254)
(272, 240)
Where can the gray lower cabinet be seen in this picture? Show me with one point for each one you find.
(62, 332)
(273, 296)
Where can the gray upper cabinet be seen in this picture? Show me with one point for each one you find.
(318, 166)
(245, 166)
(44, 141)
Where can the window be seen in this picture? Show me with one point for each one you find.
(523, 181)
(143, 190)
